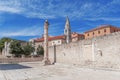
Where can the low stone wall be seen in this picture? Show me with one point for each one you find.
(18, 60)
(101, 51)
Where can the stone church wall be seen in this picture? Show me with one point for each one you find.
(101, 51)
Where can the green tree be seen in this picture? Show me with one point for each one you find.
(2, 42)
(40, 50)
(28, 49)
(16, 48)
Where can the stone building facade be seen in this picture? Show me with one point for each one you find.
(76, 37)
(94, 48)
(56, 40)
(101, 31)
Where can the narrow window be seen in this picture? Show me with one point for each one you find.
(104, 30)
(98, 32)
(93, 33)
(65, 30)
(87, 34)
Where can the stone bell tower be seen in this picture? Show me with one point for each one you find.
(67, 31)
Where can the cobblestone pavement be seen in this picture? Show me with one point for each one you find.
(36, 71)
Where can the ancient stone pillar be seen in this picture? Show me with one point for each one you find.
(46, 55)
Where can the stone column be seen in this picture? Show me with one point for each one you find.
(5, 47)
(46, 55)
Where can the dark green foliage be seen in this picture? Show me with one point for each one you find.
(16, 48)
(28, 49)
(40, 50)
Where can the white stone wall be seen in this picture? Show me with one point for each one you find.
(6, 50)
(101, 51)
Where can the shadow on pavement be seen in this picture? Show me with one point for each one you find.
(12, 66)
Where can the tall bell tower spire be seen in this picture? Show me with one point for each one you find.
(67, 31)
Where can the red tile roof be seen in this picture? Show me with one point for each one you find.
(100, 27)
(74, 35)
(50, 38)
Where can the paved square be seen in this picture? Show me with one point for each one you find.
(36, 71)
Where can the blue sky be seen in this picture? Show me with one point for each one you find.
(24, 19)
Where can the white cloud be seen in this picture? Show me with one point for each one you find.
(30, 31)
(48, 9)
(9, 9)
(12, 6)
(41, 16)
(105, 19)
(115, 2)
(43, 9)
